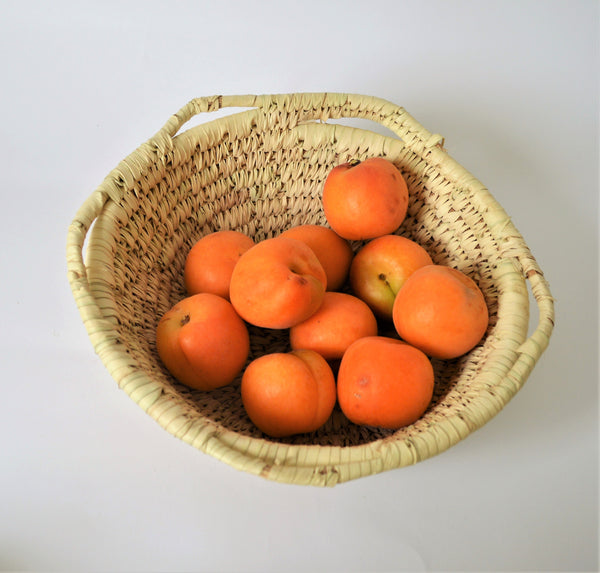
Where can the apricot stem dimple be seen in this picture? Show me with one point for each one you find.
(383, 277)
(354, 162)
(185, 320)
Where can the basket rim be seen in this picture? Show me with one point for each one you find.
(283, 462)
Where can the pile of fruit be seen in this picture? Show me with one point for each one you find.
(332, 300)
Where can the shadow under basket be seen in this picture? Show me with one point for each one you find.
(260, 170)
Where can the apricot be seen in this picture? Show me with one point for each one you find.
(384, 382)
(381, 267)
(442, 311)
(333, 252)
(209, 264)
(277, 283)
(340, 320)
(203, 342)
(365, 199)
(287, 393)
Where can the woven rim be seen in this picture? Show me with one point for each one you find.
(261, 170)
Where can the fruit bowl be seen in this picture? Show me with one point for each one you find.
(261, 170)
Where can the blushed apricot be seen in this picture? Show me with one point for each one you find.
(384, 382)
(340, 320)
(277, 283)
(442, 311)
(365, 199)
(334, 253)
(381, 267)
(288, 393)
(203, 342)
(210, 262)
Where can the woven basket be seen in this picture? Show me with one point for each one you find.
(261, 170)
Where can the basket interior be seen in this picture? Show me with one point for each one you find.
(239, 174)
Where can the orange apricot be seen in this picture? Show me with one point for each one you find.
(365, 199)
(340, 320)
(203, 342)
(334, 252)
(442, 311)
(287, 393)
(210, 262)
(277, 283)
(384, 382)
(381, 267)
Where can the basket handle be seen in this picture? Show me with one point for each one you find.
(535, 345)
(315, 106)
(163, 139)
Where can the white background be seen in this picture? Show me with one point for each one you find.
(89, 482)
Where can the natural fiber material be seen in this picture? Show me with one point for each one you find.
(261, 170)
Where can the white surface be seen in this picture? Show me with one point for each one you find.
(90, 482)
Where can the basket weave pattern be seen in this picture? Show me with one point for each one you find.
(261, 171)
